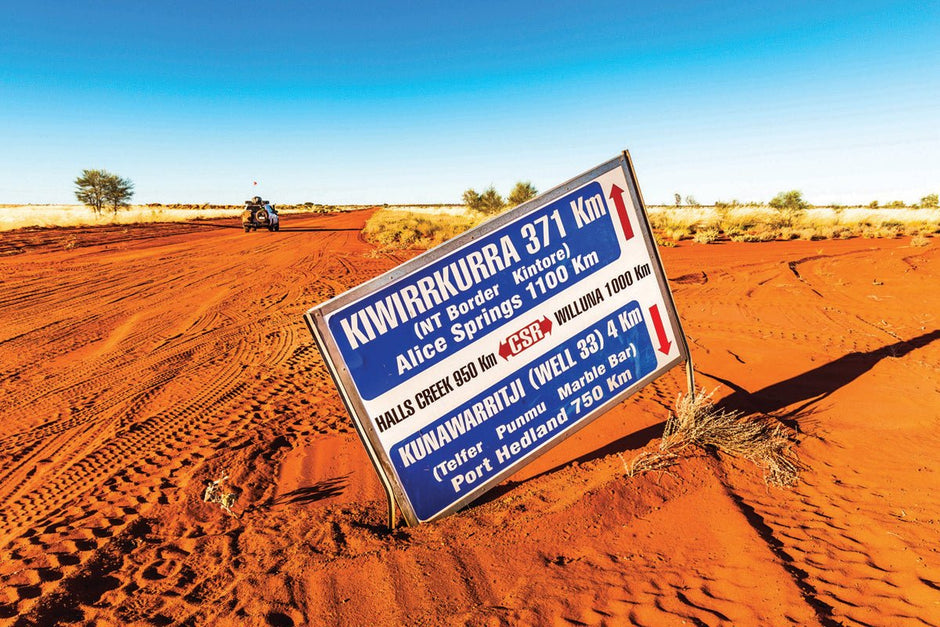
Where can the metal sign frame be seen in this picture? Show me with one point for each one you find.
(317, 321)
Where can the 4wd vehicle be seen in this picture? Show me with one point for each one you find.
(260, 214)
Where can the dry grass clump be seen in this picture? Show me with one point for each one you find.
(677, 224)
(662, 242)
(706, 236)
(763, 440)
(391, 229)
(696, 422)
(648, 461)
(214, 494)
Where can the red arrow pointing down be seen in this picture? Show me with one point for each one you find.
(616, 194)
(664, 343)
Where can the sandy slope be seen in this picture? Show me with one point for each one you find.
(137, 363)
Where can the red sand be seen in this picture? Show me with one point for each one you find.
(137, 363)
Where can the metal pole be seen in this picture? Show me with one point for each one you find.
(690, 375)
(392, 518)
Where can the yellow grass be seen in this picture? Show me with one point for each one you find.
(756, 223)
(397, 228)
(20, 216)
(423, 227)
(15, 217)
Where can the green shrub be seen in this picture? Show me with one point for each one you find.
(472, 199)
(789, 206)
(491, 202)
(523, 191)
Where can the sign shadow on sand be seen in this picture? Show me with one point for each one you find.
(313, 493)
(814, 385)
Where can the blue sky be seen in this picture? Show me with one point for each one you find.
(413, 102)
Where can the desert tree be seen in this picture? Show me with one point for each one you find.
(523, 191)
(472, 199)
(118, 192)
(678, 198)
(490, 201)
(91, 188)
(97, 188)
(930, 201)
(789, 205)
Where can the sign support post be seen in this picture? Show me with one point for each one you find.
(383, 479)
(465, 363)
(689, 368)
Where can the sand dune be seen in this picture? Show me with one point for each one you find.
(138, 363)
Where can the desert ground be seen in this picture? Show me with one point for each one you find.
(139, 362)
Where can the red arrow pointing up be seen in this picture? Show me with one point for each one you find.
(616, 194)
(664, 343)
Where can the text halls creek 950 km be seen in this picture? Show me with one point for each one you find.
(466, 362)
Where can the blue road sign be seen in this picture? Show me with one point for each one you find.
(463, 364)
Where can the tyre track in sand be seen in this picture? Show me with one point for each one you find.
(858, 542)
(189, 359)
(119, 382)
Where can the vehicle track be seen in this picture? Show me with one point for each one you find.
(134, 372)
(123, 372)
